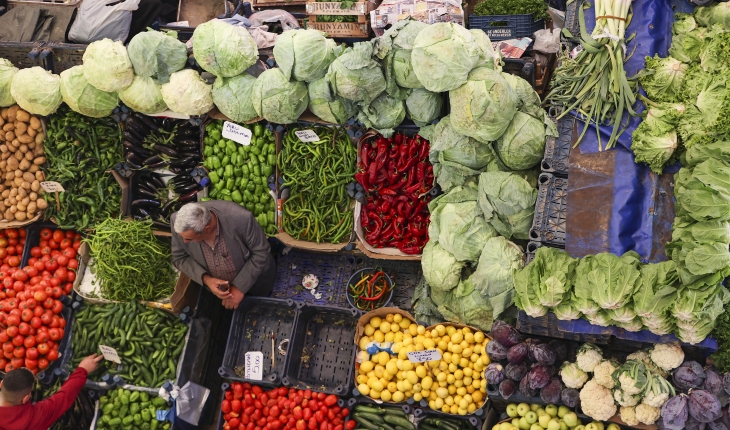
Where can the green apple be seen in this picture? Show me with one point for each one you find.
(592, 426)
(551, 410)
(613, 427)
(563, 410)
(535, 427)
(497, 427)
(512, 410)
(554, 424)
(515, 422)
(600, 425)
(535, 407)
(522, 409)
(540, 412)
(580, 427)
(531, 417)
(544, 419)
(524, 425)
(570, 419)
(505, 426)
(563, 426)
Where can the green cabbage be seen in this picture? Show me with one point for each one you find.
(83, 98)
(143, 96)
(383, 114)
(107, 65)
(155, 54)
(423, 106)
(223, 49)
(37, 90)
(441, 270)
(663, 79)
(508, 203)
(494, 275)
(443, 56)
(607, 279)
(304, 55)
(527, 99)
(187, 93)
(278, 99)
(394, 47)
(484, 106)
(326, 105)
(488, 56)
(655, 140)
(7, 73)
(355, 76)
(522, 145)
(232, 96)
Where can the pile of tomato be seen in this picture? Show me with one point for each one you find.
(249, 407)
(31, 324)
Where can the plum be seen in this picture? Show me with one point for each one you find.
(551, 392)
(703, 406)
(525, 389)
(713, 382)
(496, 351)
(689, 375)
(517, 353)
(515, 372)
(505, 334)
(507, 388)
(538, 376)
(570, 397)
(674, 412)
(544, 354)
(494, 373)
(561, 350)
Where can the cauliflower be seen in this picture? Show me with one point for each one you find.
(596, 401)
(589, 355)
(624, 399)
(603, 373)
(655, 400)
(639, 355)
(643, 356)
(658, 392)
(668, 356)
(628, 384)
(647, 414)
(628, 415)
(572, 376)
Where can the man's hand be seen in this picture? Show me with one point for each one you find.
(212, 284)
(91, 362)
(235, 299)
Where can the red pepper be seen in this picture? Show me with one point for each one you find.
(387, 192)
(364, 152)
(413, 188)
(362, 179)
(421, 171)
(381, 177)
(421, 206)
(382, 155)
(372, 173)
(371, 206)
(364, 220)
(410, 249)
(384, 207)
(391, 170)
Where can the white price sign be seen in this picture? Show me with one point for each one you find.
(110, 353)
(307, 135)
(52, 187)
(422, 356)
(237, 133)
(254, 366)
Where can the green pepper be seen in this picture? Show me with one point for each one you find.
(108, 408)
(236, 196)
(267, 170)
(262, 158)
(228, 198)
(262, 220)
(258, 130)
(145, 404)
(270, 216)
(207, 151)
(271, 159)
(242, 151)
(124, 399)
(103, 400)
(250, 206)
(251, 187)
(115, 421)
(244, 182)
(237, 172)
(145, 415)
(219, 185)
(134, 396)
(228, 151)
(247, 196)
(220, 171)
(258, 208)
(229, 183)
(137, 419)
(215, 162)
(134, 407)
(223, 192)
(232, 146)
(215, 134)
(145, 426)
(256, 150)
(258, 189)
(257, 170)
(265, 197)
(226, 161)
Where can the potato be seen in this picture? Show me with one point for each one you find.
(29, 156)
(28, 177)
(21, 207)
(25, 138)
(32, 133)
(25, 200)
(22, 115)
(9, 127)
(24, 164)
(18, 174)
(9, 135)
(15, 143)
(12, 201)
(3, 208)
(35, 124)
(40, 176)
(30, 215)
(4, 148)
(6, 155)
(18, 155)
(20, 215)
(13, 192)
(12, 110)
(33, 196)
(39, 160)
(4, 113)
(22, 192)
(39, 138)
(26, 186)
(20, 127)
(2, 122)
(32, 207)
(42, 204)
(35, 185)
(38, 151)
(34, 168)
(9, 215)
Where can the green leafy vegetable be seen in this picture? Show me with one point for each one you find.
(355, 76)
(7, 73)
(278, 99)
(223, 49)
(37, 90)
(304, 55)
(144, 95)
(537, 8)
(187, 93)
(233, 97)
(155, 54)
(326, 105)
(607, 279)
(107, 65)
(508, 203)
(82, 97)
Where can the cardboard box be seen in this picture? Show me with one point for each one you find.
(382, 313)
(334, 8)
(429, 11)
(380, 253)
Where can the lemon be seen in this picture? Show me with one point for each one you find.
(434, 333)
(377, 385)
(379, 336)
(392, 387)
(434, 364)
(391, 367)
(369, 330)
(446, 409)
(450, 378)
(399, 397)
(375, 322)
(364, 341)
(362, 379)
(389, 318)
(379, 371)
(443, 346)
(384, 327)
(429, 343)
(398, 337)
(420, 329)
(439, 403)
(421, 371)
(441, 377)
(459, 374)
(461, 411)
(467, 380)
(456, 359)
(404, 324)
(477, 397)
(457, 337)
(413, 329)
(442, 392)
(478, 337)
(407, 365)
(403, 354)
(476, 384)
(464, 362)
(471, 408)
(371, 374)
(450, 330)
(363, 389)
(389, 336)
(432, 404)
(408, 341)
(469, 338)
(461, 391)
(464, 344)
(467, 353)
(427, 382)
(417, 397)
(407, 386)
(456, 349)
(383, 358)
(412, 377)
(394, 328)
(443, 365)
(397, 318)
(470, 389)
(420, 347)
(483, 385)
(449, 400)
(386, 396)
(452, 389)
(485, 360)
(440, 329)
(458, 383)
(367, 366)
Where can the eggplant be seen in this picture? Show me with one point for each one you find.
(142, 152)
(165, 149)
(189, 196)
(147, 121)
(145, 194)
(141, 211)
(188, 131)
(133, 122)
(168, 124)
(133, 139)
(147, 182)
(167, 209)
(181, 180)
(131, 161)
(183, 162)
(145, 188)
(152, 160)
(187, 188)
(137, 132)
(146, 203)
(187, 142)
(157, 179)
(184, 170)
(158, 165)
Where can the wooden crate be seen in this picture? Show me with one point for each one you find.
(359, 29)
(333, 8)
(278, 3)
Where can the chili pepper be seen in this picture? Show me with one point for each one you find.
(364, 150)
(373, 173)
(413, 188)
(382, 155)
(384, 207)
(364, 217)
(421, 172)
(391, 170)
(388, 191)
(377, 296)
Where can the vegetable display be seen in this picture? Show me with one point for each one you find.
(550, 416)
(536, 8)
(156, 144)
(79, 416)
(80, 153)
(107, 65)
(318, 208)
(82, 97)
(121, 408)
(397, 177)
(376, 416)
(130, 262)
(156, 199)
(149, 341)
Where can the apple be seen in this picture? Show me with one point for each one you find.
(554, 424)
(613, 427)
(563, 426)
(524, 425)
(580, 427)
(535, 427)
(512, 410)
(540, 412)
(544, 420)
(496, 427)
(600, 425)
(505, 426)
(535, 407)
(551, 410)
(531, 417)
(563, 410)
(522, 409)
(570, 419)
(593, 426)
(515, 422)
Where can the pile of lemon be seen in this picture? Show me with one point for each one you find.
(455, 384)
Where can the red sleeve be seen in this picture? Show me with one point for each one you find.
(48, 411)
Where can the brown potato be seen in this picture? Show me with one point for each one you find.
(22, 192)
(21, 207)
(9, 135)
(9, 215)
(18, 181)
(34, 168)
(18, 155)
(25, 138)
(12, 201)
(33, 196)
(28, 177)
(9, 127)
(4, 113)
(6, 155)
(39, 160)
(29, 156)
(40, 176)
(32, 207)
(22, 115)
(35, 185)
(18, 174)
(42, 204)
(25, 185)
(20, 127)
(31, 132)
(20, 215)
(30, 215)
(39, 138)
(35, 123)
(24, 164)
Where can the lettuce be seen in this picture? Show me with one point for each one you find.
(657, 292)
(652, 147)
(703, 192)
(663, 78)
(694, 155)
(607, 279)
(714, 54)
(550, 276)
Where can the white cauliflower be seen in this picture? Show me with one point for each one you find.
(589, 355)
(628, 384)
(596, 401)
(572, 376)
(647, 414)
(668, 356)
(658, 392)
(643, 356)
(628, 415)
(603, 373)
(624, 399)
(639, 355)
(655, 400)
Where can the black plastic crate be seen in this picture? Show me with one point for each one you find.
(322, 352)
(525, 68)
(530, 250)
(503, 27)
(65, 56)
(253, 323)
(571, 18)
(57, 368)
(333, 272)
(548, 326)
(421, 413)
(557, 149)
(18, 54)
(33, 238)
(548, 224)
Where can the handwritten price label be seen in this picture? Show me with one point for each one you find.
(422, 356)
(110, 353)
(237, 133)
(52, 187)
(307, 136)
(254, 366)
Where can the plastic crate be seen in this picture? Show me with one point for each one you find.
(548, 224)
(557, 149)
(503, 27)
(548, 326)
(65, 55)
(571, 18)
(17, 53)
(321, 352)
(33, 238)
(405, 275)
(525, 68)
(333, 271)
(56, 369)
(366, 401)
(253, 322)
(530, 250)
(475, 420)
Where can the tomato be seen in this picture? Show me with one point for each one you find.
(236, 406)
(14, 261)
(48, 303)
(52, 355)
(307, 414)
(55, 282)
(297, 412)
(20, 275)
(57, 307)
(77, 245)
(319, 416)
(35, 322)
(57, 292)
(70, 276)
(331, 415)
(73, 264)
(19, 352)
(26, 315)
(330, 400)
(344, 412)
(43, 348)
(13, 320)
(42, 337)
(3, 252)
(58, 235)
(51, 265)
(301, 425)
(46, 234)
(37, 312)
(29, 342)
(19, 249)
(31, 364)
(67, 244)
(35, 251)
(55, 335)
(68, 287)
(55, 254)
(62, 260)
(46, 250)
(320, 396)
(53, 244)
(18, 286)
(46, 318)
(13, 242)
(8, 346)
(61, 273)
(40, 296)
(24, 328)
(4, 337)
(17, 362)
(350, 425)
(31, 271)
(69, 234)
(42, 363)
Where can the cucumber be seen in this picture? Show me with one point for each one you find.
(365, 423)
(369, 409)
(392, 419)
(372, 417)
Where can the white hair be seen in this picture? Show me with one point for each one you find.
(192, 216)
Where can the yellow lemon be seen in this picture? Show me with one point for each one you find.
(434, 364)
(456, 359)
(386, 396)
(452, 389)
(389, 336)
(469, 337)
(383, 358)
(379, 336)
(399, 397)
(453, 367)
(471, 408)
(439, 403)
(377, 385)
(470, 389)
(384, 327)
(443, 346)
(456, 349)
(458, 383)
(450, 330)
(450, 378)
(397, 318)
(457, 337)
(417, 397)
(467, 380)
(369, 330)
(392, 387)
(367, 366)
(468, 371)
(420, 329)
(407, 386)
(407, 365)
(407, 341)
(467, 353)
(379, 371)
(478, 337)
(427, 382)
(429, 344)
(364, 341)
(394, 328)
(441, 377)
(375, 322)
(412, 377)
(454, 409)
(391, 367)
(449, 400)
(477, 397)
(421, 371)
(398, 337)
(440, 329)
(461, 391)
(459, 374)
(363, 389)
(404, 323)
(434, 333)
(442, 393)
(464, 362)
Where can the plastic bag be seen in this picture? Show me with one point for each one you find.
(547, 41)
(287, 20)
(100, 19)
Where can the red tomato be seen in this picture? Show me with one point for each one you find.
(13, 320)
(61, 273)
(350, 425)
(46, 319)
(3, 242)
(68, 287)
(48, 303)
(24, 328)
(301, 425)
(4, 337)
(57, 292)
(31, 364)
(42, 337)
(3, 252)
(54, 333)
(18, 286)
(57, 307)
(31, 353)
(26, 315)
(297, 412)
(62, 260)
(14, 261)
(19, 249)
(53, 244)
(312, 424)
(35, 251)
(69, 234)
(307, 414)
(39, 266)
(35, 322)
(67, 244)
(12, 242)
(330, 400)
(70, 276)
(29, 342)
(20, 275)
(52, 355)
(42, 363)
(37, 312)
(19, 352)
(321, 396)
(319, 416)
(31, 271)
(46, 234)
(73, 264)
(43, 348)
(55, 254)
(8, 346)
(17, 362)
(40, 296)
(77, 245)
(55, 282)
(46, 250)
(51, 265)
(58, 235)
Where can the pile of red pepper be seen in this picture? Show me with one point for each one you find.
(249, 407)
(397, 176)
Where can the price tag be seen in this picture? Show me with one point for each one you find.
(307, 135)
(52, 187)
(237, 133)
(421, 356)
(110, 353)
(254, 366)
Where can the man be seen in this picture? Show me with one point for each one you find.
(16, 411)
(220, 245)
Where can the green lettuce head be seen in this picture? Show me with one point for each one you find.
(326, 105)
(683, 23)
(304, 55)
(394, 48)
(278, 99)
(143, 96)
(443, 56)
(187, 93)
(37, 90)
(383, 114)
(355, 76)
(107, 65)
(7, 73)
(655, 140)
(155, 54)
(663, 79)
(232, 96)
(423, 106)
(83, 98)
(718, 13)
(223, 49)
(522, 145)
(494, 275)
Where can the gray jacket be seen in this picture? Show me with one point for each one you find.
(245, 240)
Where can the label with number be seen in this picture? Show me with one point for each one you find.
(307, 135)
(52, 187)
(421, 356)
(237, 133)
(110, 353)
(254, 366)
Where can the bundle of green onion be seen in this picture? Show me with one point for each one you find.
(594, 83)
